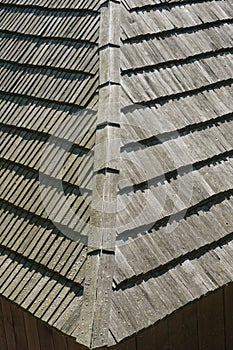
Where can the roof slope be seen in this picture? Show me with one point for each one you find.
(158, 232)
(49, 81)
(174, 225)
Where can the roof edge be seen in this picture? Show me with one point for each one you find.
(93, 329)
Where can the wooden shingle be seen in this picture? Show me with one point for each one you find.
(116, 174)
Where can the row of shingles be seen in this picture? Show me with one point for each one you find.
(140, 4)
(58, 4)
(157, 296)
(173, 153)
(41, 83)
(52, 23)
(43, 293)
(179, 79)
(159, 203)
(65, 122)
(170, 244)
(38, 240)
(25, 133)
(173, 48)
(29, 149)
(27, 153)
(47, 82)
(171, 78)
(164, 20)
(57, 253)
(176, 153)
(138, 131)
(176, 116)
(48, 52)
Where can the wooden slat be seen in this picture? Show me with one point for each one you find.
(9, 325)
(46, 336)
(194, 14)
(72, 345)
(155, 338)
(32, 332)
(166, 83)
(129, 344)
(19, 327)
(51, 4)
(182, 327)
(211, 322)
(3, 341)
(161, 51)
(228, 308)
(59, 341)
(53, 26)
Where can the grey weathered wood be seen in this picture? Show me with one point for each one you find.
(84, 329)
(98, 290)
(163, 83)
(103, 304)
(57, 57)
(156, 22)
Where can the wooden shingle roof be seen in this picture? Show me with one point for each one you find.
(139, 96)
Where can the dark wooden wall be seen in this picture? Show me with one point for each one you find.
(21, 331)
(206, 324)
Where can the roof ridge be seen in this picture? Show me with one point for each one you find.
(93, 329)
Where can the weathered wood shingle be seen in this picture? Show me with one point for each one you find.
(175, 198)
(140, 93)
(48, 87)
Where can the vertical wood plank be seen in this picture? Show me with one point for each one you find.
(45, 336)
(31, 332)
(9, 326)
(19, 327)
(155, 338)
(228, 308)
(3, 342)
(59, 341)
(211, 322)
(182, 329)
(73, 345)
(129, 344)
